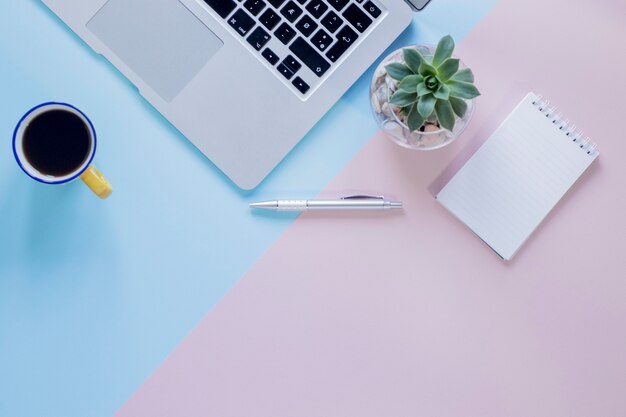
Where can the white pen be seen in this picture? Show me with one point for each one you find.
(357, 202)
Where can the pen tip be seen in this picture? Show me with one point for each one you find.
(264, 205)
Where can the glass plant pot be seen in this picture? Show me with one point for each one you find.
(392, 122)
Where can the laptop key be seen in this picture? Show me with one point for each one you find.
(321, 40)
(306, 26)
(338, 4)
(259, 38)
(270, 19)
(222, 7)
(292, 64)
(285, 33)
(270, 56)
(332, 22)
(357, 18)
(285, 71)
(291, 11)
(372, 9)
(300, 85)
(317, 8)
(241, 22)
(345, 39)
(254, 6)
(275, 3)
(309, 56)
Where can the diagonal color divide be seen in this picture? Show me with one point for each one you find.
(94, 296)
(411, 315)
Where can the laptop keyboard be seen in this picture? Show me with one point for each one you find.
(301, 40)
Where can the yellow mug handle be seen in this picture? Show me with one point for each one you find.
(94, 179)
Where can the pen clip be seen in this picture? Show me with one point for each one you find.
(363, 197)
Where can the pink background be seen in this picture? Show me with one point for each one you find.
(410, 314)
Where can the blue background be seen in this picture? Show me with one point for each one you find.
(95, 294)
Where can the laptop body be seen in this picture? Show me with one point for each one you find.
(243, 80)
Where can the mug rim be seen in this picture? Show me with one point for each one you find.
(84, 165)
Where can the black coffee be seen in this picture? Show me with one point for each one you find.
(56, 142)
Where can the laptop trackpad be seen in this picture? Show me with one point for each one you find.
(160, 40)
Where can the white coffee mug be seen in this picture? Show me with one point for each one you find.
(90, 175)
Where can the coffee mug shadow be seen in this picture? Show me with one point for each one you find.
(51, 221)
(43, 227)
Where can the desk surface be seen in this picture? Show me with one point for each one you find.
(94, 295)
(410, 314)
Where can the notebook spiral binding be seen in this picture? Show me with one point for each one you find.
(575, 135)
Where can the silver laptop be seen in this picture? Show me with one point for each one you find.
(244, 80)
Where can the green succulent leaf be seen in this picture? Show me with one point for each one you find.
(426, 105)
(444, 50)
(465, 75)
(413, 59)
(462, 89)
(443, 93)
(422, 89)
(415, 120)
(432, 83)
(410, 83)
(402, 98)
(445, 114)
(448, 68)
(459, 106)
(398, 71)
(426, 69)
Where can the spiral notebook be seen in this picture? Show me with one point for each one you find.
(518, 175)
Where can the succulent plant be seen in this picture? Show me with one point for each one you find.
(432, 85)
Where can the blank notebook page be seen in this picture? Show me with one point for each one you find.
(519, 174)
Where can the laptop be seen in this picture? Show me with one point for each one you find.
(243, 80)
